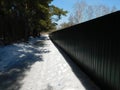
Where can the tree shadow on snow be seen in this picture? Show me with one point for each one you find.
(20, 59)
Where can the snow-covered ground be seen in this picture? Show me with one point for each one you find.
(38, 65)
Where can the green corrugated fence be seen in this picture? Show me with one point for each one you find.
(95, 46)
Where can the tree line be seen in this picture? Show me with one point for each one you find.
(83, 12)
(21, 18)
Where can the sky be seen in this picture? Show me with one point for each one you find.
(69, 5)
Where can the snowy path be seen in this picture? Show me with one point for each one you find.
(51, 72)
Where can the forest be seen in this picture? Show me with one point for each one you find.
(20, 19)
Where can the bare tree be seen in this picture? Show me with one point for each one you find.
(83, 12)
(79, 8)
(71, 19)
(64, 25)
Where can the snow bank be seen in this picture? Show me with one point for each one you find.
(17, 55)
(48, 69)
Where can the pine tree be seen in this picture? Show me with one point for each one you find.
(36, 16)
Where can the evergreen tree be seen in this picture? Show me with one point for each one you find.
(36, 16)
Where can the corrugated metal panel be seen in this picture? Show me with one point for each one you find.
(95, 45)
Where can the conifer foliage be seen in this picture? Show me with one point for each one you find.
(21, 18)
